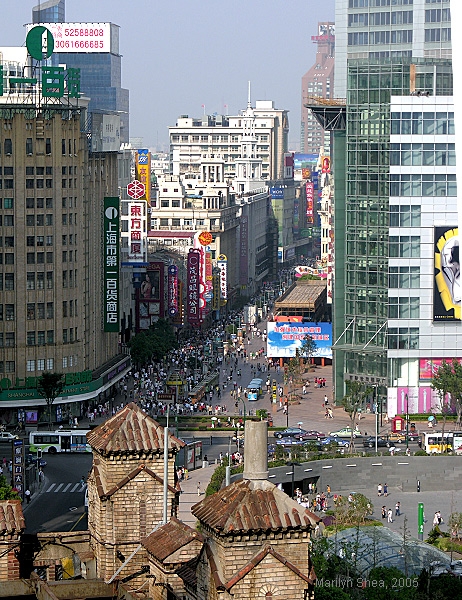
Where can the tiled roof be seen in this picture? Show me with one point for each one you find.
(11, 517)
(252, 506)
(130, 431)
(107, 494)
(170, 538)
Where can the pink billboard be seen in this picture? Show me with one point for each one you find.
(428, 367)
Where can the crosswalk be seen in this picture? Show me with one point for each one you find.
(65, 487)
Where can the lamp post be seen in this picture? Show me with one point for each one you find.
(407, 422)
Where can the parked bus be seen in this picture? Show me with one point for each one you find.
(62, 440)
(432, 441)
(254, 389)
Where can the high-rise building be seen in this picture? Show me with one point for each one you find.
(51, 239)
(51, 11)
(318, 81)
(393, 160)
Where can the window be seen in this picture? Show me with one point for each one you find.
(30, 240)
(8, 146)
(65, 308)
(65, 338)
(40, 258)
(30, 220)
(49, 280)
(41, 338)
(404, 277)
(29, 146)
(64, 219)
(64, 256)
(10, 339)
(30, 281)
(31, 338)
(50, 310)
(39, 240)
(9, 281)
(9, 312)
(64, 240)
(7, 202)
(30, 366)
(403, 338)
(40, 281)
(404, 216)
(48, 146)
(71, 335)
(10, 366)
(30, 203)
(40, 364)
(40, 220)
(64, 362)
(49, 258)
(50, 363)
(49, 220)
(403, 308)
(9, 259)
(40, 310)
(64, 278)
(8, 221)
(30, 311)
(404, 246)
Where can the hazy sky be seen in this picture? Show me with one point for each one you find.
(178, 54)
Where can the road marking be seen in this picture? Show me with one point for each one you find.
(75, 487)
(67, 487)
(51, 487)
(59, 487)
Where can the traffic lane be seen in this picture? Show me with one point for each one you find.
(60, 502)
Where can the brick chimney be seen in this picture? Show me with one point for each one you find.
(256, 450)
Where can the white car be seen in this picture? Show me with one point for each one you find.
(6, 436)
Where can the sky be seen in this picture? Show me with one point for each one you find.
(179, 55)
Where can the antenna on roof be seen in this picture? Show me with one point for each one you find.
(249, 105)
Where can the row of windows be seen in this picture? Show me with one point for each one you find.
(40, 338)
(72, 306)
(407, 246)
(37, 310)
(42, 202)
(375, 3)
(399, 17)
(364, 38)
(37, 281)
(404, 308)
(403, 338)
(7, 241)
(422, 123)
(39, 240)
(38, 170)
(404, 277)
(39, 184)
(215, 138)
(423, 185)
(7, 366)
(31, 220)
(39, 365)
(436, 15)
(38, 258)
(438, 35)
(70, 335)
(67, 146)
(438, 155)
(404, 216)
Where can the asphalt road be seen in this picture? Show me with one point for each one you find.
(59, 505)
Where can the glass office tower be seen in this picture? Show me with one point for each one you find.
(52, 11)
(384, 49)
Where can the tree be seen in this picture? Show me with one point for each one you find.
(353, 510)
(448, 381)
(355, 398)
(6, 491)
(50, 386)
(309, 347)
(455, 524)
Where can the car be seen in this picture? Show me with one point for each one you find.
(289, 441)
(399, 438)
(312, 434)
(382, 442)
(335, 440)
(32, 459)
(6, 436)
(291, 432)
(345, 433)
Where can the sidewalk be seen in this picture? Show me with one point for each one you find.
(189, 495)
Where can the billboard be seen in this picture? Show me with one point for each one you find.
(111, 260)
(309, 187)
(136, 232)
(446, 287)
(285, 338)
(79, 37)
(277, 193)
(222, 264)
(428, 367)
(172, 290)
(143, 172)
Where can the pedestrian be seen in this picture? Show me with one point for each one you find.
(326, 400)
(398, 509)
(390, 515)
(435, 519)
(198, 488)
(379, 489)
(384, 512)
(27, 494)
(304, 389)
(328, 491)
(385, 489)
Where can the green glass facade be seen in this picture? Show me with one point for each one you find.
(361, 166)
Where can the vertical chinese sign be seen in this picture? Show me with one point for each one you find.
(111, 264)
(244, 250)
(19, 466)
(143, 173)
(222, 264)
(193, 279)
(309, 186)
(172, 290)
(136, 231)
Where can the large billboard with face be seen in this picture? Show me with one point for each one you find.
(446, 289)
(285, 338)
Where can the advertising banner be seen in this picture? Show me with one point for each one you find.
(216, 289)
(193, 279)
(208, 272)
(172, 290)
(446, 287)
(79, 37)
(428, 367)
(136, 232)
(111, 259)
(222, 264)
(285, 338)
(143, 172)
(309, 187)
(244, 251)
(277, 193)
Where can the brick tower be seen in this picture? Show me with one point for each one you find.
(125, 488)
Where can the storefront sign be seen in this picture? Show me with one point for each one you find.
(111, 264)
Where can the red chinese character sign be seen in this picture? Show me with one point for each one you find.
(194, 312)
(136, 231)
(136, 190)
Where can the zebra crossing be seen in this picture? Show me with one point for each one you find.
(64, 487)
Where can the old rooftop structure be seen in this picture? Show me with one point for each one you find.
(252, 540)
(305, 298)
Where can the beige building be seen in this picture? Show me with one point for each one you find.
(51, 235)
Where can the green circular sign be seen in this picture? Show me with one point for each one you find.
(40, 43)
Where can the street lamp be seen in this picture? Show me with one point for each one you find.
(407, 422)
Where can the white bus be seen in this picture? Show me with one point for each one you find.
(432, 442)
(62, 440)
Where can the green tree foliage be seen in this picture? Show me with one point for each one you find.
(353, 512)
(6, 491)
(455, 524)
(448, 380)
(309, 347)
(153, 344)
(355, 399)
(50, 386)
